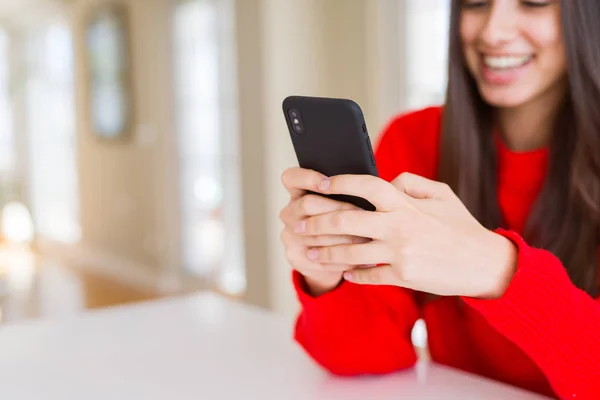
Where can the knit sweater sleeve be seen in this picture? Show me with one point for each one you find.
(556, 324)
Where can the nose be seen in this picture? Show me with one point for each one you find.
(502, 24)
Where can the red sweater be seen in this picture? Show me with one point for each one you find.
(542, 335)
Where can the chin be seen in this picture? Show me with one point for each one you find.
(504, 98)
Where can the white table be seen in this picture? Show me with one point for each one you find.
(197, 347)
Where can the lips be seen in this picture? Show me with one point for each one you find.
(504, 69)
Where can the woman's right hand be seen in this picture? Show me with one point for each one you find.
(319, 278)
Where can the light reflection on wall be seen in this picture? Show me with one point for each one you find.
(17, 225)
(208, 192)
(212, 244)
(426, 57)
(51, 140)
(6, 133)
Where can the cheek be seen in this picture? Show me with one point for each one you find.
(468, 30)
(550, 48)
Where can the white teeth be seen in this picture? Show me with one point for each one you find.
(506, 62)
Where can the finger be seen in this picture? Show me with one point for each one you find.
(295, 253)
(298, 181)
(383, 275)
(316, 267)
(383, 195)
(353, 254)
(311, 204)
(289, 237)
(299, 261)
(331, 240)
(346, 222)
(419, 187)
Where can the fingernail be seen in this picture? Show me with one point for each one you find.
(324, 185)
(348, 276)
(313, 254)
(301, 227)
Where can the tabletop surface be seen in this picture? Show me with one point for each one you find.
(198, 347)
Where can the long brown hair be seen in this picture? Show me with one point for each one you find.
(566, 217)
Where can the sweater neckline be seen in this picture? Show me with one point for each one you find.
(521, 166)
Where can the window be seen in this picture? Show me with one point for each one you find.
(53, 185)
(209, 160)
(7, 146)
(426, 51)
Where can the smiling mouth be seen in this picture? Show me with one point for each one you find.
(503, 63)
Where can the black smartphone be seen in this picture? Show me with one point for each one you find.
(330, 136)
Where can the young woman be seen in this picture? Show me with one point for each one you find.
(488, 215)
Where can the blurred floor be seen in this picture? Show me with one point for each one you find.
(32, 286)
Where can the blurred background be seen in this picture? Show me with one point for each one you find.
(142, 141)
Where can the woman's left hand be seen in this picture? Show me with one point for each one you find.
(424, 238)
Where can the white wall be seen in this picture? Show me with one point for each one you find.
(296, 62)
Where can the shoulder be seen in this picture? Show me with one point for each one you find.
(410, 143)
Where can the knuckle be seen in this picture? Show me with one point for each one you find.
(337, 221)
(321, 267)
(325, 254)
(290, 254)
(403, 273)
(319, 241)
(288, 216)
(309, 241)
(322, 240)
(348, 253)
(336, 182)
(404, 176)
(386, 227)
(389, 254)
(312, 225)
(285, 236)
(286, 176)
(282, 236)
(378, 276)
(372, 276)
(283, 214)
(369, 185)
(306, 204)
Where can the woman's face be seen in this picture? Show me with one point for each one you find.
(514, 49)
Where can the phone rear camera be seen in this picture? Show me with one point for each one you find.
(296, 121)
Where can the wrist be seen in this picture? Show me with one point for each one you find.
(502, 253)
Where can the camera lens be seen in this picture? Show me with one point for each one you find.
(296, 121)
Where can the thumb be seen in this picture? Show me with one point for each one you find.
(418, 187)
